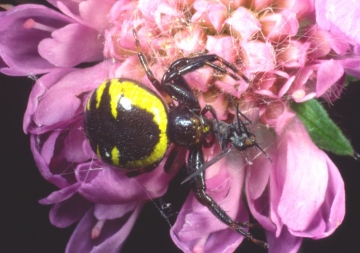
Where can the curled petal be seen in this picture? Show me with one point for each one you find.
(190, 41)
(61, 195)
(69, 211)
(301, 8)
(298, 204)
(351, 65)
(303, 212)
(165, 15)
(340, 17)
(261, 4)
(260, 56)
(42, 156)
(196, 229)
(109, 237)
(317, 80)
(333, 210)
(110, 212)
(104, 185)
(278, 26)
(69, 206)
(285, 243)
(92, 13)
(60, 92)
(66, 48)
(209, 14)
(328, 74)
(222, 46)
(244, 23)
(294, 55)
(19, 40)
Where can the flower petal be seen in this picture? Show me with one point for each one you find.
(104, 185)
(196, 228)
(111, 237)
(302, 178)
(340, 17)
(92, 13)
(67, 212)
(61, 94)
(328, 74)
(66, 48)
(19, 46)
(285, 243)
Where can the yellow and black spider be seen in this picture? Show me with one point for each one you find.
(129, 126)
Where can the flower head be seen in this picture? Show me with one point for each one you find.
(282, 55)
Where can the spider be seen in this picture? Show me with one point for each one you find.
(129, 126)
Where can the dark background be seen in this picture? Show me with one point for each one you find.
(25, 227)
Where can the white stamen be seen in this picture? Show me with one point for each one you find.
(95, 232)
(31, 24)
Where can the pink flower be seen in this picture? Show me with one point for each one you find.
(283, 57)
(338, 19)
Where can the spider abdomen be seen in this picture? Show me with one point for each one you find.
(125, 123)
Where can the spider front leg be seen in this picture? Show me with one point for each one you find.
(198, 185)
(173, 81)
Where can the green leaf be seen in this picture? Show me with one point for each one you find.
(323, 131)
(350, 79)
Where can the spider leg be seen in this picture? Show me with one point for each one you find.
(180, 90)
(176, 159)
(149, 73)
(186, 65)
(195, 162)
(209, 108)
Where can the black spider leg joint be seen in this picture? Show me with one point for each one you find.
(195, 162)
(175, 84)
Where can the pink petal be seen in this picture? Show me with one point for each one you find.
(42, 156)
(39, 89)
(69, 211)
(92, 13)
(244, 22)
(305, 172)
(277, 26)
(196, 228)
(328, 74)
(111, 237)
(333, 209)
(104, 185)
(19, 46)
(351, 65)
(110, 212)
(60, 195)
(284, 243)
(66, 48)
(223, 47)
(301, 8)
(260, 56)
(95, 13)
(339, 17)
(190, 40)
(209, 14)
(62, 96)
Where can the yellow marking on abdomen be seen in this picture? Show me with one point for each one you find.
(99, 94)
(115, 154)
(149, 102)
